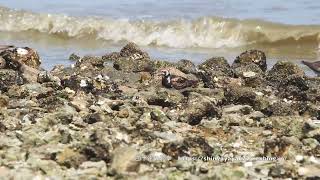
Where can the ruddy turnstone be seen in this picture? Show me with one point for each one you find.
(176, 82)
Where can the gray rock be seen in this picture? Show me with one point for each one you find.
(125, 160)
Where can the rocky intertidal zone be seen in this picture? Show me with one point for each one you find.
(112, 117)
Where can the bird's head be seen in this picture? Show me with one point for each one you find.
(165, 73)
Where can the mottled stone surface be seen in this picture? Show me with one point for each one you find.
(98, 120)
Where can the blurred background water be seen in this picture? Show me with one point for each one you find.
(167, 29)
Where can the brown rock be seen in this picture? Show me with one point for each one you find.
(18, 56)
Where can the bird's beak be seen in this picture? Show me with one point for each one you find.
(161, 73)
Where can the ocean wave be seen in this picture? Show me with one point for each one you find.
(205, 32)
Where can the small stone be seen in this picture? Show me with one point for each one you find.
(83, 83)
(70, 158)
(249, 74)
(248, 164)
(204, 169)
(93, 118)
(314, 160)
(310, 142)
(267, 133)
(299, 158)
(123, 113)
(309, 171)
(89, 168)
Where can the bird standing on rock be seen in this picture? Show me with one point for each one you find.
(314, 66)
(176, 82)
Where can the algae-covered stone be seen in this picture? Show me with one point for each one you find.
(158, 115)
(286, 126)
(74, 57)
(251, 56)
(246, 95)
(197, 108)
(282, 71)
(163, 97)
(161, 64)
(186, 66)
(217, 66)
(213, 70)
(129, 65)
(217, 95)
(283, 108)
(8, 78)
(132, 51)
(252, 74)
(89, 62)
(111, 57)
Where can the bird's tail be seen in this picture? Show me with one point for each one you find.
(306, 63)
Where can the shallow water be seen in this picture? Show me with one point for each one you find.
(168, 29)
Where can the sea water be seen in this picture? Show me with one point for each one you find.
(167, 29)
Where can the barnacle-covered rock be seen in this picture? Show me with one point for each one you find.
(17, 56)
(8, 78)
(251, 56)
(132, 51)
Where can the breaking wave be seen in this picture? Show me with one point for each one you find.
(205, 32)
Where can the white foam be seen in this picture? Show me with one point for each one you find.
(206, 32)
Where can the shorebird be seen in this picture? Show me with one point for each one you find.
(176, 82)
(314, 66)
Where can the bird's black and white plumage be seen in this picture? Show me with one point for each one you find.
(314, 66)
(176, 82)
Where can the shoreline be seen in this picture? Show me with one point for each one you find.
(111, 116)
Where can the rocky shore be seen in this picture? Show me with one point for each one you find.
(110, 117)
